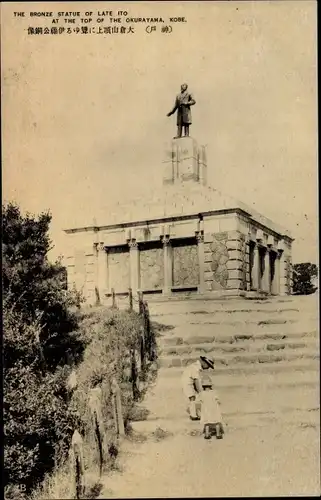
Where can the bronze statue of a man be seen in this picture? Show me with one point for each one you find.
(183, 104)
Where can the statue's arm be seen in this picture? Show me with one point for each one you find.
(174, 108)
(191, 101)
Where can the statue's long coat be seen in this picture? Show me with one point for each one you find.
(184, 115)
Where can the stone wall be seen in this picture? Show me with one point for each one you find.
(118, 269)
(226, 261)
(151, 268)
(82, 272)
(185, 265)
(216, 257)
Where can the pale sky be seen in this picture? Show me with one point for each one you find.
(84, 116)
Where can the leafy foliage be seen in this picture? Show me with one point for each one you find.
(36, 413)
(40, 335)
(303, 274)
(45, 335)
(35, 287)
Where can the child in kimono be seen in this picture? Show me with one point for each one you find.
(211, 417)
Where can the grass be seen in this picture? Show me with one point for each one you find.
(159, 434)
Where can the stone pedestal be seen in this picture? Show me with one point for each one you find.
(185, 161)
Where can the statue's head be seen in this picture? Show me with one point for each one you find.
(184, 87)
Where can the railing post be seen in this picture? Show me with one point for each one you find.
(77, 469)
(134, 375)
(117, 409)
(95, 406)
(142, 351)
(130, 295)
(140, 302)
(113, 298)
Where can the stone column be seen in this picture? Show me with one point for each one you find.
(247, 269)
(201, 261)
(283, 290)
(256, 268)
(167, 266)
(101, 281)
(275, 288)
(134, 265)
(266, 282)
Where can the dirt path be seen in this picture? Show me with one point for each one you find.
(258, 461)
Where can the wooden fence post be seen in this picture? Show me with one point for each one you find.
(130, 295)
(117, 409)
(149, 334)
(142, 351)
(141, 303)
(134, 375)
(77, 469)
(113, 298)
(95, 406)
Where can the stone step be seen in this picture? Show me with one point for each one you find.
(232, 359)
(190, 306)
(183, 425)
(236, 402)
(241, 346)
(157, 301)
(235, 320)
(239, 339)
(301, 364)
(229, 311)
(301, 377)
(232, 328)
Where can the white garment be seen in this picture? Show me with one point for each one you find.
(211, 411)
(191, 373)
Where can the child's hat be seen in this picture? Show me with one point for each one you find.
(209, 360)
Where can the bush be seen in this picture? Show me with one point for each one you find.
(40, 336)
(37, 420)
(303, 274)
(35, 287)
(111, 336)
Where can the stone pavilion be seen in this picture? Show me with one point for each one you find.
(188, 238)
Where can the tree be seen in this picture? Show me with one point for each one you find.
(35, 287)
(303, 274)
(41, 335)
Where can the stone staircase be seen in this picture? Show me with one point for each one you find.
(266, 360)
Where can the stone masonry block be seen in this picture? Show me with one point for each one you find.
(208, 275)
(208, 257)
(208, 238)
(234, 264)
(207, 267)
(234, 284)
(234, 245)
(235, 274)
(235, 235)
(236, 254)
(223, 235)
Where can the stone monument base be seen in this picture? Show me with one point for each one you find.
(185, 161)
